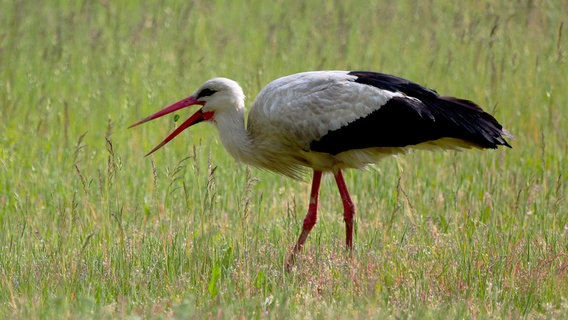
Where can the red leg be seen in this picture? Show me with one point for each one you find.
(348, 207)
(311, 217)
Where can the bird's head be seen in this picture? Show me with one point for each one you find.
(218, 97)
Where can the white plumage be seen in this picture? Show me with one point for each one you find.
(332, 120)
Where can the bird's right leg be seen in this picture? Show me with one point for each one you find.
(310, 220)
(349, 208)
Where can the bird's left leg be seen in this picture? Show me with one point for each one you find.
(348, 207)
(310, 219)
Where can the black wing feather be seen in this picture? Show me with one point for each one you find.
(420, 116)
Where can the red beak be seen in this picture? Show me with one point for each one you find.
(194, 119)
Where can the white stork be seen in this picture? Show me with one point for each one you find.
(333, 120)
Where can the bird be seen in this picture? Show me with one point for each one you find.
(329, 121)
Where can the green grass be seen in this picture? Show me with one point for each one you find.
(89, 228)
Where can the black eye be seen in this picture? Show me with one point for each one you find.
(205, 93)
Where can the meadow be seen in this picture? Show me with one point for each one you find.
(91, 229)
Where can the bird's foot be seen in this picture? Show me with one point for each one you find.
(291, 261)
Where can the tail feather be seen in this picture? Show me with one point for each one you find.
(469, 122)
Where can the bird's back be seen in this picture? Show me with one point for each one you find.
(306, 106)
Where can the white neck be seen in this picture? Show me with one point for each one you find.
(233, 134)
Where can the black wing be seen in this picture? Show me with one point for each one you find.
(418, 116)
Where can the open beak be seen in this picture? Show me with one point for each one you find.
(195, 118)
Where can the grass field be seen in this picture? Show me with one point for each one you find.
(89, 228)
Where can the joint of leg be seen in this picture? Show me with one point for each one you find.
(349, 211)
(309, 222)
